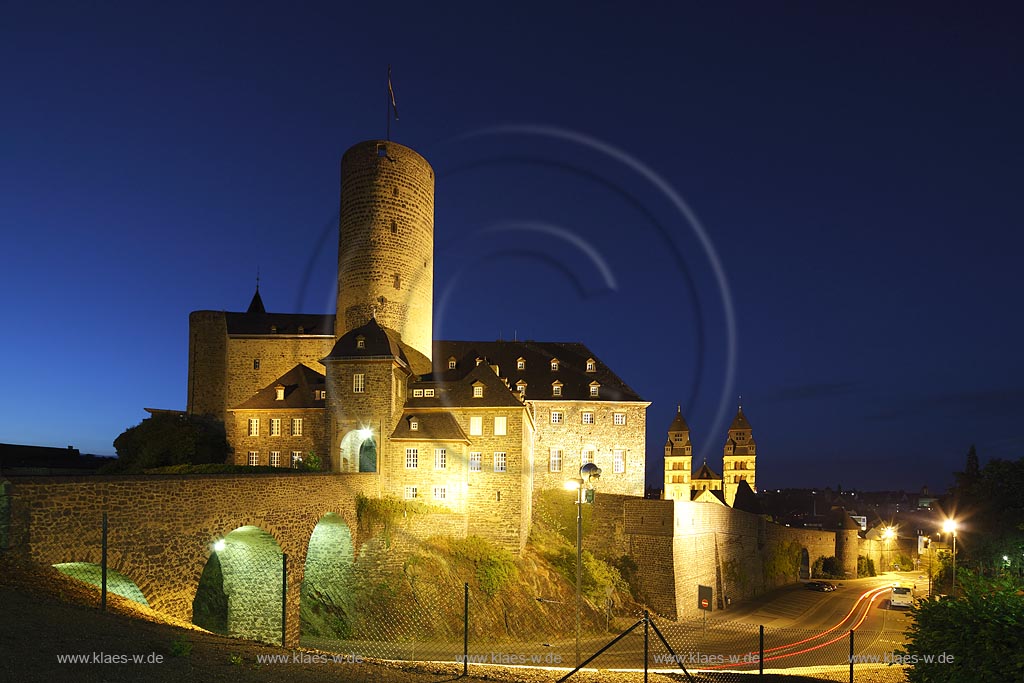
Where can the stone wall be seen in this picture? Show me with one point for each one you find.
(162, 528)
(603, 437)
(311, 439)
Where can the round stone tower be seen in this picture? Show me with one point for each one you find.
(386, 245)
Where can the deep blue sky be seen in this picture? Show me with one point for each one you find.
(856, 169)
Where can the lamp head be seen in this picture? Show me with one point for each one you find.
(590, 472)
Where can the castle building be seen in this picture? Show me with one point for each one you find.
(738, 463)
(477, 427)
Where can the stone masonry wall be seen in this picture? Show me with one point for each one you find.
(386, 243)
(603, 437)
(161, 528)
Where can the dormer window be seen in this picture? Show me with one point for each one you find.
(321, 394)
(360, 342)
(521, 387)
(451, 363)
(556, 389)
(302, 330)
(520, 364)
(414, 424)
(595, 390)
(273, 329)
(428, 393)
(591, 365)
(554, 365)
(479, 360)
(279, 393)
(478, 390)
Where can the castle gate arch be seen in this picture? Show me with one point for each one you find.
(326, 607)
(239, 592)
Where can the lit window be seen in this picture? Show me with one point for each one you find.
(322, 394)
(279, 393)
(521, 387)
(360, 342)
(478, 391)
(591, 365)
(554, 365)
(595, 390)
(417, 393)
(412, 458)
(588, 418)
(500, 458)
(521, 364)
(475, 461)
(254, 426)
(556, 460)
(410, 492)
(296, 459)
(500, 426)
(440, 493)
(275, 426)
(440, 458)
(296, 426)
(476, 426)
(414, 425)
(451, 363)
(556, 389)
(254, 458)
(255, 363)
(556, 417)
(619, 418)
(428, 393)
(358, 383)
(275, 458)
(587, 456)
(619, 462)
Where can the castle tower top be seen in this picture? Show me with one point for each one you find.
(386, 244)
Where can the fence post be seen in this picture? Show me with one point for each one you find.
(284, 599)
(103, 565)
(851, 655)
(647, 629)
(465, 630)
(760, 653)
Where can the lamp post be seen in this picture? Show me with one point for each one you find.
(949, 526)
(888, 533)
(588, 473)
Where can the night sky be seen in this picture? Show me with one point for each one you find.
(816, 206)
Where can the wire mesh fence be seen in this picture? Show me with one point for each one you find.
(408, 612)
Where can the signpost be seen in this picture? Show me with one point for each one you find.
(704, 598)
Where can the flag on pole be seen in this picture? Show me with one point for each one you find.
(391, 92)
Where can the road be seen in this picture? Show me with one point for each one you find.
(802, 628)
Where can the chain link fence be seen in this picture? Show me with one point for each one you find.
(411, 613)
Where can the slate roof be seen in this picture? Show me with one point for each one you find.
(740, 421)
(377, 342)
(679, 424)
(432, 426)
(572, 369)
(300, 384)
(458, 392)
(706, 472)
(270, 324)
(746, 499)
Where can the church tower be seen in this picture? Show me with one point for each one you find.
(739, 457)
(678, 459)
(386, 246)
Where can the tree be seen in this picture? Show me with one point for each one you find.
(974, 638)
(170, 439)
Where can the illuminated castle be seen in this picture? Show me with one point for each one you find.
(478, 427)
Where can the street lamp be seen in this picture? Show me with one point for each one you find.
(588, 473)
(949, 526)
(888, 533)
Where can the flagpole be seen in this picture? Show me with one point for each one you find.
(387, 95)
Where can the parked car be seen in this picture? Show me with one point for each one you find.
(822, 586)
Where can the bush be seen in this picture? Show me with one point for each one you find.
(979, 634)
(865, 566)
(494, 567)
(169, 439)
(827, 568)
